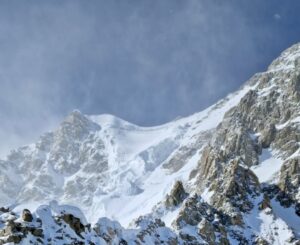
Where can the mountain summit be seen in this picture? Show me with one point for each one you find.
(227, 175)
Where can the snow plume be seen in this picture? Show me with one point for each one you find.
(120, 57)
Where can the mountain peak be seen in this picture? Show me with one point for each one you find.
(287, 61)
(78, 120)
(75, 115)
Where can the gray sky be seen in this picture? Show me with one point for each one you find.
(146, 61)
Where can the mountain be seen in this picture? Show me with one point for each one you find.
(227, 175)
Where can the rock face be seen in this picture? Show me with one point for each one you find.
(290, 178)
(236, 169)
(209, 223)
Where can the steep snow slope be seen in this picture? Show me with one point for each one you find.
(107, 166)
(268, 168)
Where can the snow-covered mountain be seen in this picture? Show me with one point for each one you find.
(227, 175)
(98, 162)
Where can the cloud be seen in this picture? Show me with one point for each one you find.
(277, 16)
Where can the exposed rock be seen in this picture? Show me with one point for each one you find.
(110, 231)
(297, 209)
(10, 228)
(154, 230)
(188, 238)
(195, 210)
(287, 140)
(265, 203)
(207, 232)
(4, 210)
(15, 239)
(237, 219)
(261, 241)
(27, 216)
(15, 232)
(184, 153)
(235, 188)
(209, 222)
(73, 222)
(289, 181)
(268, 135)
(176, 196)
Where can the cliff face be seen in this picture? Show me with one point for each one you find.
(227, 175)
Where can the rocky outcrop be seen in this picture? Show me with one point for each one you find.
(176, 196)
(287, 139)
(265, 203)
(184, 153)
(74, 223)
(153, 229)
(267, 135)
(4, 209)
(224, 169)
(235, 189)
(288, 185)
(110, 231)
(15, 231)
(213, 234)
(290, 176)
(208, 222)
(27, 216)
